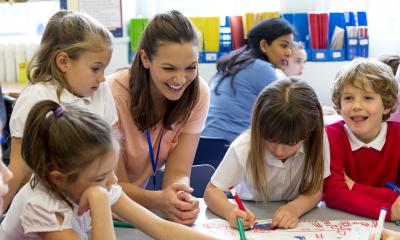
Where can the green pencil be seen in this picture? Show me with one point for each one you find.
(240, 228)
(122, 224)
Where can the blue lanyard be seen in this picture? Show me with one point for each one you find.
(151, 153)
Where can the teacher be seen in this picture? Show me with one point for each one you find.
(162, 105)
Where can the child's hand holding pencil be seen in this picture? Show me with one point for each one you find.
(239, 211)
(247, 217)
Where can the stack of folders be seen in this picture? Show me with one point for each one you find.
(251, 19)
(136, 28)
(337, 40)
(209, 28)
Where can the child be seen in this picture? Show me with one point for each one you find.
(280, 158)
(5, 176)
(73, 153)
(67, 68)
(393, 61)
(364, 147)
(162, 105)
(296, 61)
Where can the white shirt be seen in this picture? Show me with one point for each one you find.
(283, 178)
(33, 211)
(377, 144)
(100, 102)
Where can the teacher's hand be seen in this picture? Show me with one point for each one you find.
(178, 204)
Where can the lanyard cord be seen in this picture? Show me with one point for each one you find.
(151, 153)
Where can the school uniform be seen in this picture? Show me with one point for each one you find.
(100, 102)
(370, 166)
(283, 178)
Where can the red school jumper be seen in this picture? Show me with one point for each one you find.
(370, 169)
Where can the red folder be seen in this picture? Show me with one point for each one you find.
(323, 27)
(314, 30)
(236, 24)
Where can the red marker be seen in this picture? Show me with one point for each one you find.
(237, 199)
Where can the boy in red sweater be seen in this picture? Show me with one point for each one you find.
(365, 148)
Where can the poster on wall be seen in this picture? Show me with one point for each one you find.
(108, 12)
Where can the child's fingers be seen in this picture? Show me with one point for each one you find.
(247, 224)
(251, 217)
(284, 222)
(236, 212)
(287, 221)
(276, 218)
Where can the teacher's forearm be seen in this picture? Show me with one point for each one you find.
(176, 178)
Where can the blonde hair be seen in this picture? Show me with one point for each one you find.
(73, 33)
(367, 72)
(286, 112)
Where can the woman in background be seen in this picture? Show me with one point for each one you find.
(243, 74)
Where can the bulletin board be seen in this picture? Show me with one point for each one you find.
(108, 12)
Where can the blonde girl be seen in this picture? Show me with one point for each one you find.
(67, 68)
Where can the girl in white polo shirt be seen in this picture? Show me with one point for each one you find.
(282, 157)
(67, 68)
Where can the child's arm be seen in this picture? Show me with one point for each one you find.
(381, 193)
(218, 203)
(338, 195)
(18, 167)
(153, 225)
(288, 215)
(96, 200)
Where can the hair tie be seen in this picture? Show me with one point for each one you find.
(59, 111)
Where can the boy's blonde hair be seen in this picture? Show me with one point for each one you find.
(368, 72)
(73, 33)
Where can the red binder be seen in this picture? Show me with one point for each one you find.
(323, 27)
(236, 24)
(314, 30)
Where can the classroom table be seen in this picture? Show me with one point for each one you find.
(262, 211)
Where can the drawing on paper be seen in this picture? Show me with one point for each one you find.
(306, 230)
